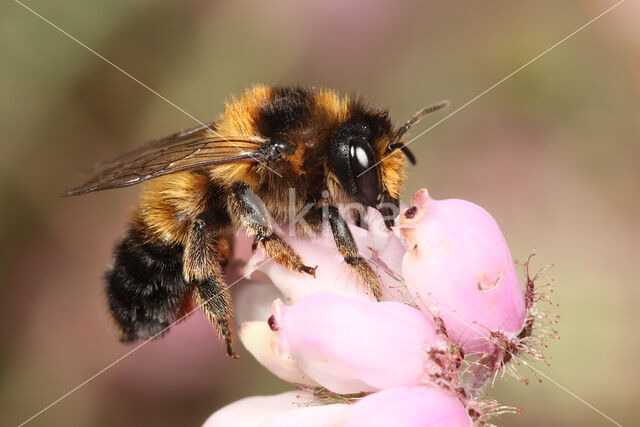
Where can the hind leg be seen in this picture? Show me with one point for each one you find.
(145, 287)
(205, 253)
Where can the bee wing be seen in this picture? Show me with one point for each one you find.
(192, 149)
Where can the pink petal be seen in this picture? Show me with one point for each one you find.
(252, 299)
(262, 343)
(252, 411)
(311, 416)
(349, 345)
(408, 406)
(459, 267)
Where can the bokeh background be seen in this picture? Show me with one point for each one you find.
(552, 153)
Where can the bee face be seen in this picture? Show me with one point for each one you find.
(366, 165)
(353, 157)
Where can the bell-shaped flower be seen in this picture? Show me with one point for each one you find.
(253, 411)
(332, 415)
(458, 267)
(349, 345)
(421, 406)
(262, 343)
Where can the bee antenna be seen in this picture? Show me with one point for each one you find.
(404, 149)
(418, 116)
(412, 121)
(409, 154)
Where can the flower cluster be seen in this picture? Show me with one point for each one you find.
(454, 314)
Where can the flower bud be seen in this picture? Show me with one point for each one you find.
(458, 267)
(310, 416)
(408, 407)
(259, 339)
(253, 411)
(349, 345)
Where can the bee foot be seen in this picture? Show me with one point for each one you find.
(230, 352)
(309, 270)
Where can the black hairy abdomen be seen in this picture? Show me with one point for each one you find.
(145, 287)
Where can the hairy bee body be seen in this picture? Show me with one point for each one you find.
(308, 118)
(275, 153)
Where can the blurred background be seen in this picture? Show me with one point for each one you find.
(552, 153)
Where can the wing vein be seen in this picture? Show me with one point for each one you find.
(191, 149)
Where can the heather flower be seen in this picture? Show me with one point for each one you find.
(458, 267)
(253, 411)
(263, 344)
(347, 345)
(310, 416)
(408, 407)
(454, 316)
(403, 406)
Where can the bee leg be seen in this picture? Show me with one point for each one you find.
(348, 249)
(251, 212)
(214, 300)
(202, 266)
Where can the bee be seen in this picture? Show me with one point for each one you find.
(203, 184)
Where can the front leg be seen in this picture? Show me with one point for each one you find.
(252, 214)
(349, 250)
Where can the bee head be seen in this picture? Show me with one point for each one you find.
(364, 170)
(367, 157)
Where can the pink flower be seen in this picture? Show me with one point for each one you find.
(310, 416)
(401, 406)
(448, 278)
(458, 266)
(263, 344)
(253, 411)
(287, 409)
(408, 406)
(348, 345)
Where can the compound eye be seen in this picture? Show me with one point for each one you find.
(366, 176)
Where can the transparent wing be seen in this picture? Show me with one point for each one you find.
(191, 149)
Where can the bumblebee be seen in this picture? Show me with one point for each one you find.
(202, 184)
